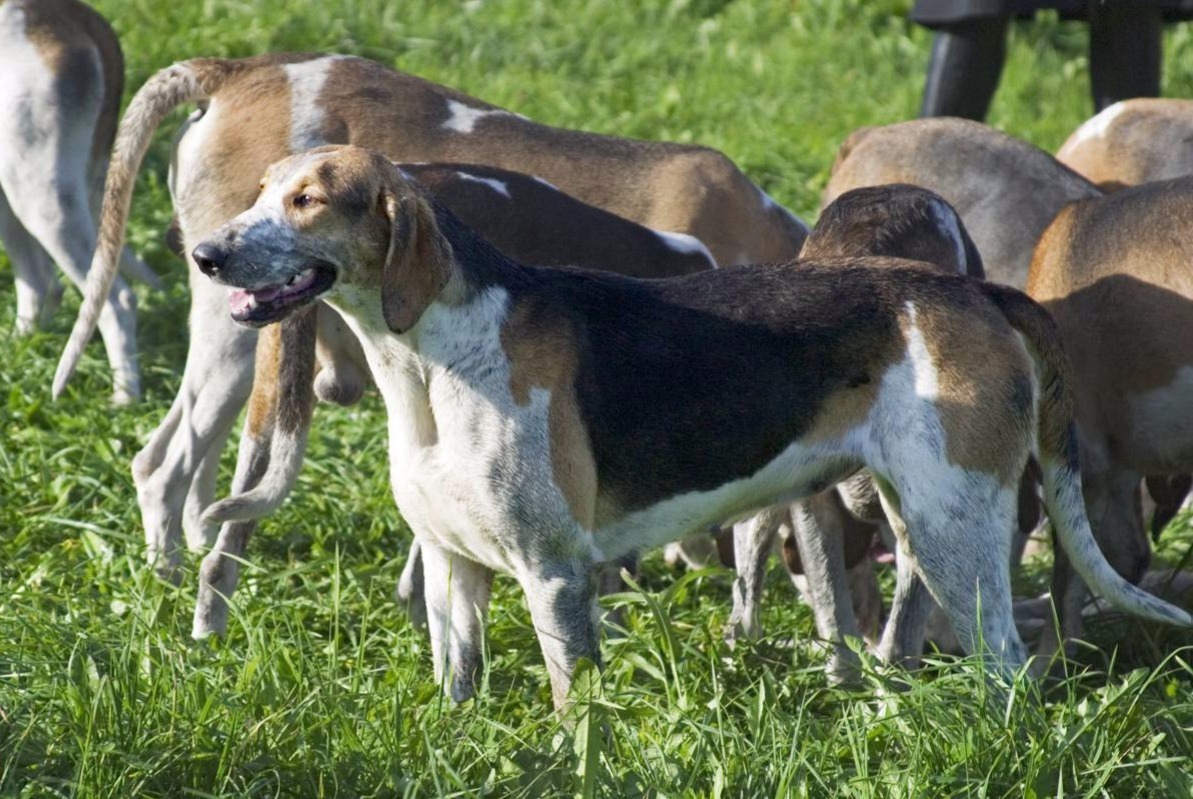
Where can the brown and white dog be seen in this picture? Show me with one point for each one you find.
(1132, 142)
(1005, 190)
(825, 535)
(542, 421)
(1007, 193)
(524, 217)
(59, 101)
(1124, 307)
(257, 110)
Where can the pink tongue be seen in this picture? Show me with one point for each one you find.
(240, 301)
(265, 295)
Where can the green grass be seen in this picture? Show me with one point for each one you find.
(322, 688)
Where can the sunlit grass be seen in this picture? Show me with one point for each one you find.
(322, 688)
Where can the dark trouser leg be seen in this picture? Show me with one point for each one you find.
(964, 69)
(1124, 52)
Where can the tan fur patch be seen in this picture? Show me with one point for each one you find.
(542, 354)
(1146, 139)
(1124, 307)
(417, 263)
(984, 386)
(249, 129)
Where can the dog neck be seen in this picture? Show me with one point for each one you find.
(477, 266)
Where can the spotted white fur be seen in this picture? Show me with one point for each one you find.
(927, 386)
(188, 143)
(934, 507)
(1097, 126)
(787, 476)
(463, 118)
(306, 112)
(498, 186)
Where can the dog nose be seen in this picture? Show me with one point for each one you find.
(210, 258)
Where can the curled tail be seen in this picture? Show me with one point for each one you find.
(184, 82)
(1057, 453)
(279, 417)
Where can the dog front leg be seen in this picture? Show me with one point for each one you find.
(562, 599)
(38, 289)
(215, 385)
(457, 596)
(819, 524)
(752, 542)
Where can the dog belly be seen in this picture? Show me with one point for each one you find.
(799, 471)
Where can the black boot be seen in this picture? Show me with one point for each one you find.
(964, 69)
(1124, 52)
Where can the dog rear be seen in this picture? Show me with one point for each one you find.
(1005, 190)
(63, 79)
(1132, 142)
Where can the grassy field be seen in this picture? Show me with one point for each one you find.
(322, 687)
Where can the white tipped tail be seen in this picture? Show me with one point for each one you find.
(1059, 464)
(1066, 509)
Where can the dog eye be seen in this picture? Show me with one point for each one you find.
(303, 200)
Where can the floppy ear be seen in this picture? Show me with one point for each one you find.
(417, 262)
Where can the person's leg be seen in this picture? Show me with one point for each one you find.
(1124, 52)
(964, 69)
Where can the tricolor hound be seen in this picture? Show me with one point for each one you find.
(543, 421)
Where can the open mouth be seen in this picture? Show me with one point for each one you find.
(258, 307)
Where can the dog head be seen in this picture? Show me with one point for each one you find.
(896, 220)
(326, 220)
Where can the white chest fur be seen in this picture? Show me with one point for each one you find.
(470, 467)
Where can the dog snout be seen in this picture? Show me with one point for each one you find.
(210, 258)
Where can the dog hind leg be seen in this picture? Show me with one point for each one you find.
(215, 386)
(957, 538)
(38, 290)
(752, 542)
(819, 524)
